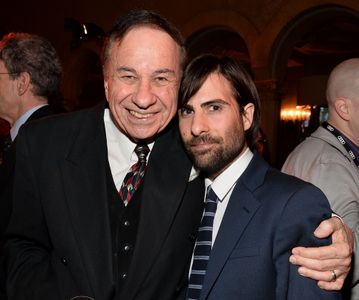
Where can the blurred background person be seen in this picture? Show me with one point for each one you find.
(329, 158)
(30, 77)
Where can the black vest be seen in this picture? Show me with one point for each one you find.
(124, 223)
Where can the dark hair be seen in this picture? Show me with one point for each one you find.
(23, 52)
(243, 87)
(139, 18)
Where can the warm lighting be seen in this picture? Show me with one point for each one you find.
(299, 113)
(85, 29)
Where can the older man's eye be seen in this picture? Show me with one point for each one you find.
(161, 80)
(128, 77)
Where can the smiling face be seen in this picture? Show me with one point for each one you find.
(141, 82)
(212, 126)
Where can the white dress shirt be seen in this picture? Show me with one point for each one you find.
(120, 150)
(224, 184)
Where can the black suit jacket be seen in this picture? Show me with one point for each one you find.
(6, 184)
(59, 242)
(7, 172)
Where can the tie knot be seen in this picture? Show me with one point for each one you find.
(211, 195)
(141, 151)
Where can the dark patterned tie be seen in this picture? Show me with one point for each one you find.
(203, 247)
(134, 177)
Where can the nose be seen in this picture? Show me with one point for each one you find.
(199, 124)
(143, 96)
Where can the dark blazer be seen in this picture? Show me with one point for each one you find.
(267, 215)
(59, 241)
(7, 172)
(7, 168)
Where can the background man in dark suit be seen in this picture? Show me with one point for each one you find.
(72, 233)
(30, 76)
(257, 214)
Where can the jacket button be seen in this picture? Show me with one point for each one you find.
(124, 275)
(127, 247)
(126, 223)
(64, 261)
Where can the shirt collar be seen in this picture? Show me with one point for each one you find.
(20, 121)
(223, 183)
(115, 136)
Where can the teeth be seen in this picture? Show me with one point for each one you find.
(139, 115)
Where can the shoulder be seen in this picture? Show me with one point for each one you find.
(58, 133)
(58, 124)
(318, 149)
(288, 184)
(276, 189)
(293, 200)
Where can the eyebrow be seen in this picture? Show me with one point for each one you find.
(157, 72)
(165, 70)
(125, 69)
(207, 103)
(214, 101)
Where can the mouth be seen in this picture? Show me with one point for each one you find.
(201, 147)
(139, 115)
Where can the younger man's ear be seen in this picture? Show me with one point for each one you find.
(248, 113)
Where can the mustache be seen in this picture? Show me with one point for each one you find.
(194, 141)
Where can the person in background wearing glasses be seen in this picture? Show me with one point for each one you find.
(30, 77)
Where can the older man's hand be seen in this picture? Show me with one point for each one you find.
(329, 265)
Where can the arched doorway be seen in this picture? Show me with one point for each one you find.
(218, 40)
(302, 57)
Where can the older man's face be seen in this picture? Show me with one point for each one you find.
(142, 77)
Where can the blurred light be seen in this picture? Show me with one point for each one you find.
(299, 113)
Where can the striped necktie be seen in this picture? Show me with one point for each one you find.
(203, 247)
(134, 177)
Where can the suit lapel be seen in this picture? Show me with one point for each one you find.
(84, 176)
(162, 191)
(241, 207)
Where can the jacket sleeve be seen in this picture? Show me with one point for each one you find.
(303, 212)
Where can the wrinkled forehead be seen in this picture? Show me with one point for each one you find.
(146, 37)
